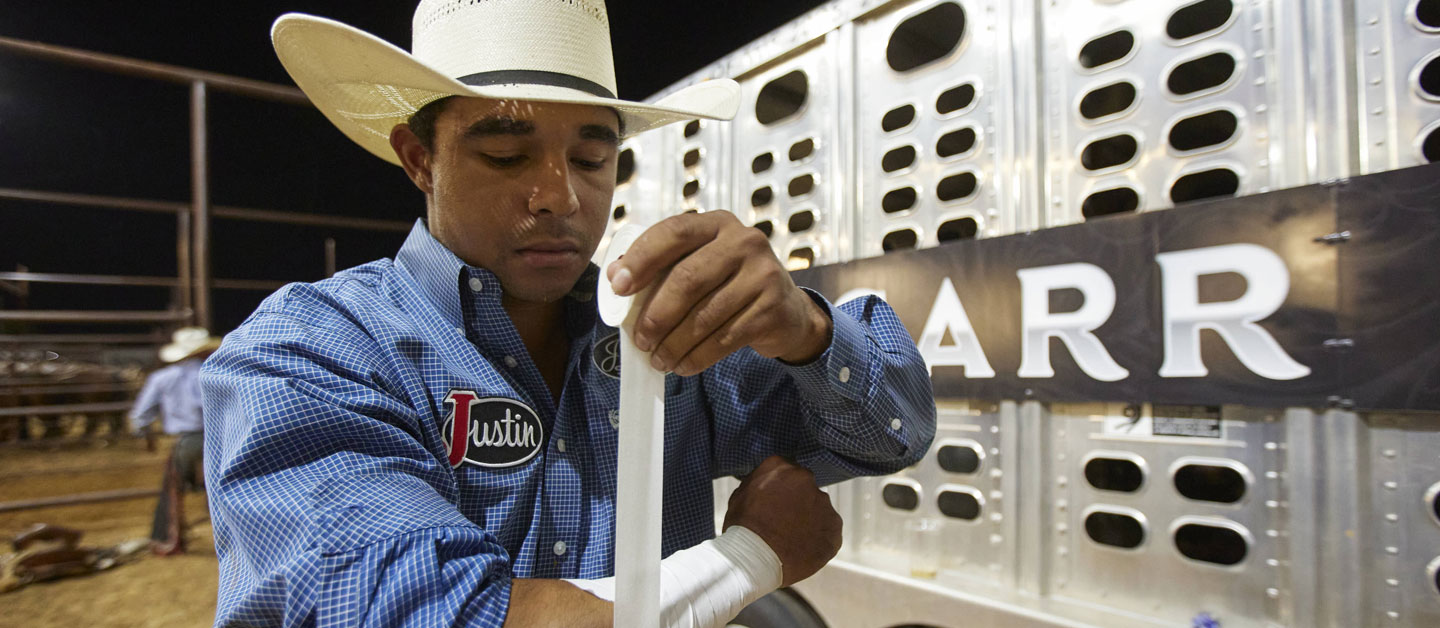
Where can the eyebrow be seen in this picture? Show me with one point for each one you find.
(600, 133)
(497, 125)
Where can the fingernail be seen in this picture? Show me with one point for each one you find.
(620, 283)
(656, 363)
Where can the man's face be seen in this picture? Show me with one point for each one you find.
(523, 189)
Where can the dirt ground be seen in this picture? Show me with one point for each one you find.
(152, 591)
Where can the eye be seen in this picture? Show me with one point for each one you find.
(503, 161)
(589, 164)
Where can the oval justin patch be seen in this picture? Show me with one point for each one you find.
(490, 431)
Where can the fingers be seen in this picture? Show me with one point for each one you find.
(689, 289)
(662, 245)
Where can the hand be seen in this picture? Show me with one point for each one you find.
(780, 502)
(717, 287)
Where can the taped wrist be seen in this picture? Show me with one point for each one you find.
(707, 585)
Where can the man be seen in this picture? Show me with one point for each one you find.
(172, 394)
(338, 492)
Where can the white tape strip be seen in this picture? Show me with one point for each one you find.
(641, 467)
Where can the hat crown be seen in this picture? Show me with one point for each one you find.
(466, 38)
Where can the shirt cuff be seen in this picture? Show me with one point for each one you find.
(843, 368)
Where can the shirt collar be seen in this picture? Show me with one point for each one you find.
(437, 271)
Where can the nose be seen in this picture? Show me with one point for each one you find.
(553, 190)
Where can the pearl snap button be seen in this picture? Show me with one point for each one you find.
(559, 548)
(895, 424)
(844, 375)
(510, 362)
(560, 445)
(476, 285)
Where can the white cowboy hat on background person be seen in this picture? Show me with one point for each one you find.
(186, 342)
(537, 50)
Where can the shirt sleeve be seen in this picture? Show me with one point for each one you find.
(147, 404)
(863, 407)
(328, 506)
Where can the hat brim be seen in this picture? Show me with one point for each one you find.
(365, 86)
(175, 352)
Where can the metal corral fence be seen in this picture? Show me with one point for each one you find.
(42, 379)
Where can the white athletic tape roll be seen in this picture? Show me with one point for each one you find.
(641, 472)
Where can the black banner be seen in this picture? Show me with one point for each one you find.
(1318, 296)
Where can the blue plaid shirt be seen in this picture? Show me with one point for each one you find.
(332, 494)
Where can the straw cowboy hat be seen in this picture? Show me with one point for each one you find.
(538, 50)
(186, 342)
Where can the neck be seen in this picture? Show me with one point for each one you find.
(540, 325)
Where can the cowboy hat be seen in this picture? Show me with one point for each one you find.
(539, 50)
(186, 342)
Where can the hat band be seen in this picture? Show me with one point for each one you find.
(536, 77)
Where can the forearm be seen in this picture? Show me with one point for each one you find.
(536, 603)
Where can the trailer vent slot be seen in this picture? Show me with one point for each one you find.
(801, 185)
(692, 187)
(1110, 202)
(1203, 131)
(801, 221)
(956, 143)
(1106, 49)
(782, 98)
(1109, 152)
(802, 149)
(901, 240)
(1220, 545)
(1430, 148)
(1198, 18)
(1107, 101)
(963, 459)
(619, 212)
(1430, 78)
(1197, 75)
(1205, 184)
(898, 200)
(898, 159)
(625, 166)
(957, 186)
(901, 496)
(762, 163)
(692, 158)
(926, 37)
(959, 505)
(801, 258)
(897, 118)
(955, 99)
(1210, 483)
(1435, 574)
(762, 197)
(766, 227)
(1114, 474)
(1427, 13)
(1433, 496)
(958, 229)
(1115, 529)
(691, 128)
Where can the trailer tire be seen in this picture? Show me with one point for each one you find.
(782, 609)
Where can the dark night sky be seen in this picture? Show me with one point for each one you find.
(75, 130)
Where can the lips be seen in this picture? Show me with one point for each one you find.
(549, 253)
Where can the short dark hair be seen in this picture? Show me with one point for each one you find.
(422, 122)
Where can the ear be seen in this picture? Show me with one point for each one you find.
(414, 158)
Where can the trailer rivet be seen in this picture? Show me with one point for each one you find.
(1390, 453)
(1392, 517)
(1392, 485)
(1272, 593)
(1392, 614)
(1272, 562)
(1392, 582)
(1392, 550)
